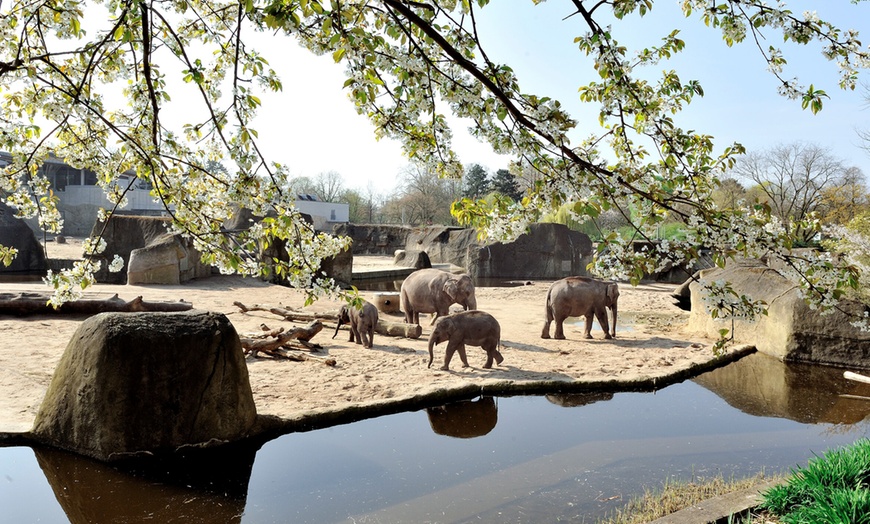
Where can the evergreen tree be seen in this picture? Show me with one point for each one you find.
(505, 183)
(476, 182)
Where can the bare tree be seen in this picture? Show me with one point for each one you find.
(793, 178)
(423, 198)
(329, 186)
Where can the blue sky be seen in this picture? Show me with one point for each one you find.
(312, 126)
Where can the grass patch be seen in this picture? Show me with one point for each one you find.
(676, 495)
(833, 488)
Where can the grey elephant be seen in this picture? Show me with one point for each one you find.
(433, 291)
(581, 296)
(361, 321)
(474, 328)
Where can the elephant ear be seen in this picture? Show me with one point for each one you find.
(612, 293)
(451, 287)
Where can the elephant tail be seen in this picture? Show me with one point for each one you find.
(548, 308)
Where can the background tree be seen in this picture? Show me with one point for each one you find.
(793, 179)
(475, 182)
(505, 183)
(406, 63)
(729, 194)
(329, 186)
(423, 199)
(843, 202)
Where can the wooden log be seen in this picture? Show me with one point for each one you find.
(302, 334)
(398, 329)
(289, 314)
(383, 327)
(36, 303)
(856, 377)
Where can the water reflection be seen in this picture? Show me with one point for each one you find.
(195, 486)
(763, 386)
(573, 400)
(512, 459)
(464, 419)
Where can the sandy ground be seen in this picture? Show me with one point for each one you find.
(652, 347)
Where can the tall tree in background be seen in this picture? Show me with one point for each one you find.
(842, 202)
(475, 182)
(793, 179)
(406, 63)
(328, 186)
(505, 183)
(423, 199)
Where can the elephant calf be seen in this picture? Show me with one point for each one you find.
(362, 323)
(475, 328)
(581, 296)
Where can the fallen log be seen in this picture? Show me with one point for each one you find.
(36, 303)
(302, 334)
(398, 329)
(289, 314)
(383, 327)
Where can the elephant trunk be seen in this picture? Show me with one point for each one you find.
(338, 325)
(470, 303)
(431, 350)
(613, 324)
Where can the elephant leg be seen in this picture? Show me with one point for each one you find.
(545, 333)
(588, 331)
(354, 333)
(492, 353)
(462, 356)
(448, 353)
(601, 315)
(559, 334)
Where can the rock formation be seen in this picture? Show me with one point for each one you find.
(133, 383)
(791, 330)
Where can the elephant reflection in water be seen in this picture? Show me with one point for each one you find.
(464, 419)
(573, 400)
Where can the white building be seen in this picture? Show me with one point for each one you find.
(80, 198)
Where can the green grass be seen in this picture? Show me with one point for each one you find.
(833, 488)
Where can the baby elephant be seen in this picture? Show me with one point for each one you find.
(362, 323)
(474, 328)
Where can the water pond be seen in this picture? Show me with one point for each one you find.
(513, 459)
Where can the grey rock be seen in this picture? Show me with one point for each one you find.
(132, 383)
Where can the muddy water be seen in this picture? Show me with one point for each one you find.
(517, 459)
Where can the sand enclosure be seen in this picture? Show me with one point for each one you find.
(652, 348)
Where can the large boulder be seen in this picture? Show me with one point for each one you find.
(546, 251)
(168, 259)
(791, 330)
(134, 383)
(14, 232)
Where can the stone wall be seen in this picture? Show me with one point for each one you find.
(546, 251)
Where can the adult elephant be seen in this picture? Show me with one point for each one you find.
(433, 291)
(581, 296)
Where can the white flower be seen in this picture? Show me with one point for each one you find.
(116, 265)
